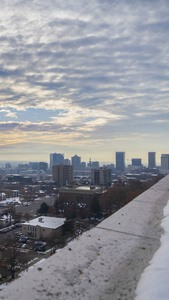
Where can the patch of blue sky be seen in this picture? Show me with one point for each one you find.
(31, 115)
(88, 119)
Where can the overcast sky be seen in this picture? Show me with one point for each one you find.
(87, 77)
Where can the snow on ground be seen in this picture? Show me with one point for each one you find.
(154, 280)
(5, 285)
(13, 200)
(33, 266)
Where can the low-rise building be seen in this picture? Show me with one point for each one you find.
(81, 194)
(43, 227)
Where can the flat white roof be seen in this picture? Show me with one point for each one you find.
(47, 222)
(88, 188)
(82, 188)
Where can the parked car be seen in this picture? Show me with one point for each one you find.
(18, 225)
(23, 239)
(18, 233)
(39, 243)
(40, 248)
(2, 247)
(4, 230)
(12, 227)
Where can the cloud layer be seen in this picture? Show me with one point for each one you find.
(101, 68)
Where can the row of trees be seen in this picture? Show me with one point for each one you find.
(120, 194)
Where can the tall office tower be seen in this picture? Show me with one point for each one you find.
(165, 162)
(120, 161)
(62, 174)
(151, 160)
(76, 161)
(101, 176)
(136, 162)
(56, 159)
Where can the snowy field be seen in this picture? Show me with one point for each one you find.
(154, 280)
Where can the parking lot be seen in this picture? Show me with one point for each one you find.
(12, 235)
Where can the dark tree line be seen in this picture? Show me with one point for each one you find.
(120, 194)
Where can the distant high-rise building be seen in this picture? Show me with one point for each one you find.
(83, 165)
(95, 164)
(165, 162)
(56, 159)
(43, 166)
(62, 174)
(151, 160)
(89, 163)
(66, 161)
(120, 161)
(76, 161)
(136, 162)
(8, 166)
(95, 176)
(101, 176)
(34, 165)
(110, 166)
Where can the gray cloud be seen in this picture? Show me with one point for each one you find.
(107, 56)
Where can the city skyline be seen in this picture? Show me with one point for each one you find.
(119, 159)
(84, 78)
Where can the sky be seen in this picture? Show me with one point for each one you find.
(84, 77)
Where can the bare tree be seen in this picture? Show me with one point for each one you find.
(12, 258)
(27, 216)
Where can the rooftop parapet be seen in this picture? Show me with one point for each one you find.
(105, 262)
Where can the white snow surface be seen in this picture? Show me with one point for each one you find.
(11, 201)
(46, 222)
(154, 280)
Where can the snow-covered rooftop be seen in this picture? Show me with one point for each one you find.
(46, 222)
(107, 262)
(88, 188)
(11, 200)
